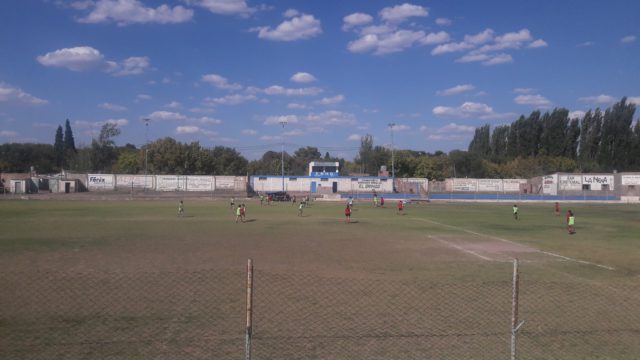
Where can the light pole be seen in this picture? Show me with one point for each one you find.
(283, 122)
(393, 167)
(146, 149)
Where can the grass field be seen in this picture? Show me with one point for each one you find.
(130, 279)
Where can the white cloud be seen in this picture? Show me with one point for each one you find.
(187, 129)
(356, 19)
(294, 132)
(386, 43)
(331, 100)
(220, 82)
(577, 114)
(302, 77)
(248, 132)
(470, 110)
(435, 38)
(523, 90)
(291, 13)
(82, 5)
(628, 39)
(598, 99)
(235, 99)
(278, 120)
(173, 105)
(143, 97)
(453, 127)
(400, 13)
(480, 38)
(205, 120)
(498, 59)
(224, 7)
(458, 89)
(634, 100)
(443, 21)
(112, 107)
(117, 122)
(8, 133)
(84, 58)
(331, 117)
(135, 65)
(280, 90)
(298, 28)
(354, 137)
(76, 59)
(532, 99)
(166, 116)
(270, 138)
(586, 43)
(11, 94)
(376, 30)
(296, 106)
(198, 110)
(125, 12)
(451, 47)
(537, 44)
(401, 127)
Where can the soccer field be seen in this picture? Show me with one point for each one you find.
(131, 279)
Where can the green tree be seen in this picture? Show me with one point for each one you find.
(616, 136)
(58, 148)
(103, 150)
(365, 157)
(69, 142)
(553, 132)
(480, 144)
(590, 134)
(499, 140)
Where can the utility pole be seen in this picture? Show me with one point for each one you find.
(393, 167)
(283, 122)
(146, 150)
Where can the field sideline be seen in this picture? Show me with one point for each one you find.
(465, 247)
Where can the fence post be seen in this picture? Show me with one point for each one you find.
(515, 326)
(247, 341)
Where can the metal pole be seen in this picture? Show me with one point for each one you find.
(393, 167)
(515, 326)
(247, 342)
(146, 150)
(283, 122)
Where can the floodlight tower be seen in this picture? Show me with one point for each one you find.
(146, 149)
(393, 167)
(283, 122)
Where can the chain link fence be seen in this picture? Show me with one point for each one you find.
(202, 315)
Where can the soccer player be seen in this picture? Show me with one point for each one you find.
(557, 209)
(261, 199)
(350, 202)
(238, 213)
(347, 214)
(300, 207)
(571, 223)
(375, 200)
(232, 202)
(381, 201)
(293, 200)
(515, 212)
(243, 212)
(400, 206)
(180, 209)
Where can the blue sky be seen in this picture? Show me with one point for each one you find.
(229, 72)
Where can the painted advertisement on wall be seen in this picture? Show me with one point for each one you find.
(135, 181)
(200, 183)
(466, 185)
(550, 184)
(598, 182)
(369, 184)
(225, 182)
(490, 185)
(512, 185)
(100, 181)
(170, 183)
(571, 182)
(630, 179)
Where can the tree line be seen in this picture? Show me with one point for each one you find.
(532, 145)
